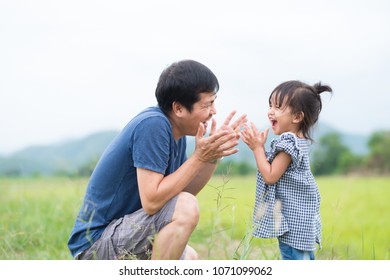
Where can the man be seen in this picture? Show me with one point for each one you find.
(140, 201)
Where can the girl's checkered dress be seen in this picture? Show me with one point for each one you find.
(290, 208)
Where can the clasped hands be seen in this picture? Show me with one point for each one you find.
(221, 142)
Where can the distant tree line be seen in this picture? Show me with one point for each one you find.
(333, 157)
(330, 157)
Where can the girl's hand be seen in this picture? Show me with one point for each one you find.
(254, 138)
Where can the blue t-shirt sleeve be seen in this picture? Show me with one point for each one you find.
(151, 144)
(288, 144)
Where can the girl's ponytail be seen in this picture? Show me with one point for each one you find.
(318, 87)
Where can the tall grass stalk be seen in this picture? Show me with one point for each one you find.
(218, 231)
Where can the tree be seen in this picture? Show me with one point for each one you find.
(332, 156)
(379, 157)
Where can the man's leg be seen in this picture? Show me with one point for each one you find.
(172, 239)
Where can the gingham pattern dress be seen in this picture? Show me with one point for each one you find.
(290, 208)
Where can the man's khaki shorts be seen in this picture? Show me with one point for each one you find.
(130, 237)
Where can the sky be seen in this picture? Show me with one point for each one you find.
(72, 68)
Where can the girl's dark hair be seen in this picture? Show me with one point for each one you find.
(183, 82)
(301, 97)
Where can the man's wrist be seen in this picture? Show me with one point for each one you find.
(216, 161)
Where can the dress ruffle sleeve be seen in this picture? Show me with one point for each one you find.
(287, 143)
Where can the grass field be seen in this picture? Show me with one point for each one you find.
(37, 215)
(355, 216)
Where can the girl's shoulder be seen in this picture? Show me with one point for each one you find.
(286, 140)
(290, 144)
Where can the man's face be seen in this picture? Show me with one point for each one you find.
(202, 112)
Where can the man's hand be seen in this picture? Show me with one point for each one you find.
(220, 142)
(236, 126)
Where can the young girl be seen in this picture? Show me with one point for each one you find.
(287, 198)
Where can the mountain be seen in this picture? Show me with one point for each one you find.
(68, 157)
(357, 143)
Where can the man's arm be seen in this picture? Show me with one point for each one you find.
(201, 179)
(155, 189)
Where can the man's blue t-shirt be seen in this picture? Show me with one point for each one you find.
(146, 142)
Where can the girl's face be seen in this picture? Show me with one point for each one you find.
(282, 119)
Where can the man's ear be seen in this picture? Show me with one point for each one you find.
(177, 108)
(298, 117)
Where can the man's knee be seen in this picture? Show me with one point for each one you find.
(187, 210)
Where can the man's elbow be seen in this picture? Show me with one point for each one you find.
(150, 208)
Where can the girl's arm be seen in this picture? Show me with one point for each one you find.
(256, 140)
